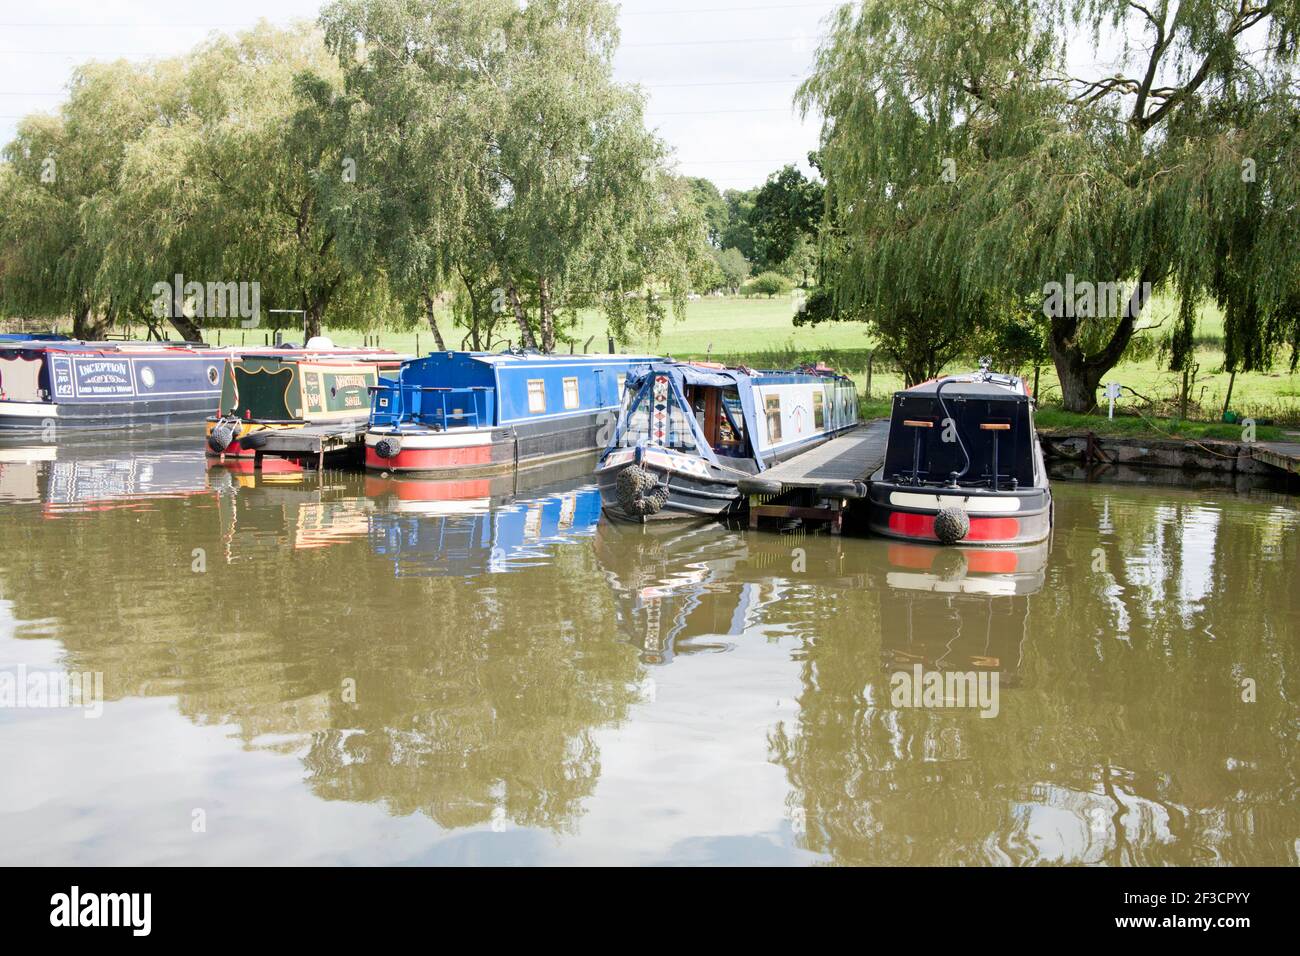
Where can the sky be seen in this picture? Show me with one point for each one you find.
(719, 75)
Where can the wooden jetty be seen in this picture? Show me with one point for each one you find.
(312, 444)
(819, 484)
(1284, 455)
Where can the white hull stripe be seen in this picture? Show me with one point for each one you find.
(971, 504)
(29, 409)
(456, 438)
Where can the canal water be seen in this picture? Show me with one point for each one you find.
(370, 670)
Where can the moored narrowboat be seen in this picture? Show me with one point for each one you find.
(73, 384)
(472, 414)
(274, 390)
(962, 465)
(689, 432)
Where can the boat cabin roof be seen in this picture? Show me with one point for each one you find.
(1010, 390)
(542, 358)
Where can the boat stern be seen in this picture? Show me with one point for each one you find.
(943, 515)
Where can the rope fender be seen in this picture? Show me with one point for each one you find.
(638, 492)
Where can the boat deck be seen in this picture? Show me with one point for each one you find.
(313, 441)
(816, 485)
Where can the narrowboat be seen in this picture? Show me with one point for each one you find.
(472, 414)
(962, 465)
(274, 389)
(689, 432)
(101, 385)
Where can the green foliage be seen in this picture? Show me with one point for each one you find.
(967, 167)
(734, 267)
(411, 153)
(712, 206)
(518, 158)
(739, 233)
(787, 209)
(767, 283)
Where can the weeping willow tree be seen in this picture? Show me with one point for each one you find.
(973, 158)
(493, 145)
(57, 175)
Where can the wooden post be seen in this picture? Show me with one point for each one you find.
(871, 358)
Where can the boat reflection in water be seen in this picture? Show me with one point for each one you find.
(478, 536)
(672, 585)
(686, 589)
(423, 527)
(79, 474)
(959, 609)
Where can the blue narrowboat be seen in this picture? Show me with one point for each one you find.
(689, 432)
(99, 385)
(469, 414)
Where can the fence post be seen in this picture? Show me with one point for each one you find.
(871, 358)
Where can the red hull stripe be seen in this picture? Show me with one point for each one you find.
(431, 459)
(981, 529)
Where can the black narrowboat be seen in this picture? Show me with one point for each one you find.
(963, 465)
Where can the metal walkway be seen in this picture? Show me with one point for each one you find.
(817, 485)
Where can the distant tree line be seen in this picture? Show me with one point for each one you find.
(769, 231)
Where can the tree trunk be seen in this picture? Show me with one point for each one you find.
(526, 339)
(547, 314)
(315, 312)
(86, 326)
(433, 323)
(1080, 373)
(188, 329)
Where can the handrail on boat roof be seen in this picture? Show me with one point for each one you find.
(436, 388)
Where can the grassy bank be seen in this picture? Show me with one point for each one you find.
(1134, 426)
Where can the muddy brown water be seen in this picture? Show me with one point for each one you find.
(370, 670)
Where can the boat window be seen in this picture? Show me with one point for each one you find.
(20, 379)
(570, 393)
(772, 409)
(536, 396)
(731, 427)
(819, 409)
